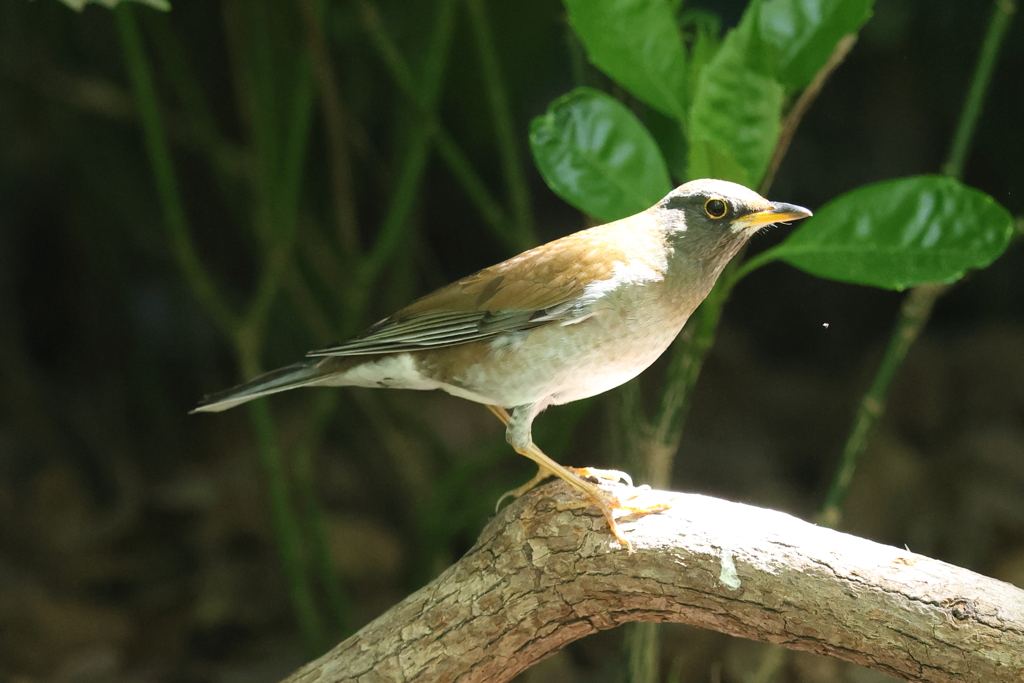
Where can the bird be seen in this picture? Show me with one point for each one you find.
(561, 322)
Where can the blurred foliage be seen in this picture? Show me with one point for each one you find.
(294, 171)
(79, 5)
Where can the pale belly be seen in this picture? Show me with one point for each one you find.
(557, 364)
(627, 330)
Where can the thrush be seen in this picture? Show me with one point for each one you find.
(561, 322)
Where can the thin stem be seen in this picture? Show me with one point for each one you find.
(283, 153)
(312, 516)
(917, 305)
(577, 57)
(275, 91)
(1000, 22)
(630, 432)
(643, 642)
(338, 600)
(491, 211)
(286, 526)
(449, 150)
(511, 160)
(750, 265)
(792, 120)
(225, 157)
(394, 229)
(335, 121)
(264, 110)
(307, 307)
(413, 480)
(163, 172)
(689, 353)
(276, 261)
(914, 313)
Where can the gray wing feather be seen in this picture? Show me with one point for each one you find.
(438, 329)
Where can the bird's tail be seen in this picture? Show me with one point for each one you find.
(282, 379)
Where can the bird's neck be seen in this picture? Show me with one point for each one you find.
(697, 260)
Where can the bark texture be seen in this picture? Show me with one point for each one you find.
(543, 574)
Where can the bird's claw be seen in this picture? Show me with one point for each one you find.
(608, 475)
(616, 476)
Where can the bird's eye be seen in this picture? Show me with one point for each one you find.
(715, 208)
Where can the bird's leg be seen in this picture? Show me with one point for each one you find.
(500, 413)
(605, 501)
(543, 473)
(519, 436)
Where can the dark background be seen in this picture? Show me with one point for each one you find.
(136, 541)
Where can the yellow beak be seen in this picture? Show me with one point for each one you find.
(777, 212)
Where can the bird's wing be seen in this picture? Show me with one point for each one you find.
(539, 287)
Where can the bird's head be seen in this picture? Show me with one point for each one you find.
(721, 209)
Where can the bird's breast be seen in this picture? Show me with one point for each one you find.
(621, 328)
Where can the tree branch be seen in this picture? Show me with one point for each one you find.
(542, 575)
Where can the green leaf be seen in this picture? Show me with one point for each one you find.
(806, 31)
(668, 135)
(596, 155)
(900, 233)
(637, 43)
(737, 106)
(702, 30)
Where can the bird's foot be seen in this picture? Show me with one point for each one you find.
(642, 509)
(607, 503)
(543, 473)
(583, 480)
(608, 475)
(611, 505)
